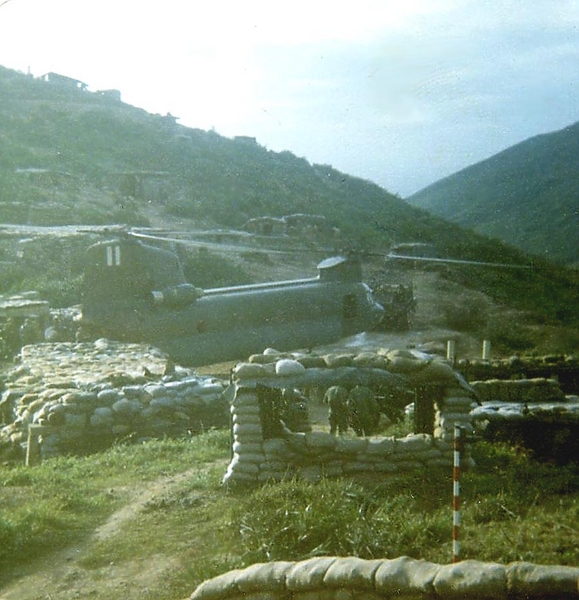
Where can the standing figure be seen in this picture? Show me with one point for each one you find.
(11, 335)
(363, 410)
(294, 411)
(336, 397)
(31, 331)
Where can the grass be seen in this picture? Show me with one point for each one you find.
(513, 509)
(48, 507)
(338, 518)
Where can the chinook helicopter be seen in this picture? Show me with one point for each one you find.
(137, 292)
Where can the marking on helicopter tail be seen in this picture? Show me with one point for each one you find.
(113, 256)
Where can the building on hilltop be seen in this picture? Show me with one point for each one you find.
(246, 139)
(45, 177)
(314, 227)
(110, 94)
(144, 185)
(63, 81)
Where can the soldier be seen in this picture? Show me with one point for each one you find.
(270, 405)
(336, 398)
(295, 412)
(11, 335)
(31, 332)
(363, 410)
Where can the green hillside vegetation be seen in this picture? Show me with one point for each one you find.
(70, 156)
(91, 145)
(527, 196)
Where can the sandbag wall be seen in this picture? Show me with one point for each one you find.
(523, 400)
(530, 413)
(564, 368)
(258, 457)
(85, 396)
(538, 389)
(329, 578)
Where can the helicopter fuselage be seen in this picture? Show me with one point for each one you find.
(135, 292)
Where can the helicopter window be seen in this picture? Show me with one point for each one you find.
(350, 306)
(113, 256)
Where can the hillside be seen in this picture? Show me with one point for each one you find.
(527, 196)
(70, 156)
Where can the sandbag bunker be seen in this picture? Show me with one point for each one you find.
(531, 413)
(267, 448)
(68, 398)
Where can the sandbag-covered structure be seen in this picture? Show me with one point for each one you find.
(532, 413)
(339, 578)
(79, 397)
(562, 367)
(265, 449)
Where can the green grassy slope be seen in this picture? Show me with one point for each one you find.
(88, 143)
(152, 520)
(527, 195)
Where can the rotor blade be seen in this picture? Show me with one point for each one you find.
(457, 261)
(205, 244)
(14, 230)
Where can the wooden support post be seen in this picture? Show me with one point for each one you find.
(486, 352)
(451, 351)
(425, 397)
(423, 409)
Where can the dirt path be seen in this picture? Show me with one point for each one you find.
(60, 577)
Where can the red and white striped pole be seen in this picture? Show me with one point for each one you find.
(456, 496)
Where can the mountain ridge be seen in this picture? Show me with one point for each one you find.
(526, 195)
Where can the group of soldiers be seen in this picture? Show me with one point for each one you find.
(16, 332)
(282, 408)
(356, 408)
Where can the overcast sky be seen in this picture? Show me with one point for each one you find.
(400, 92)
